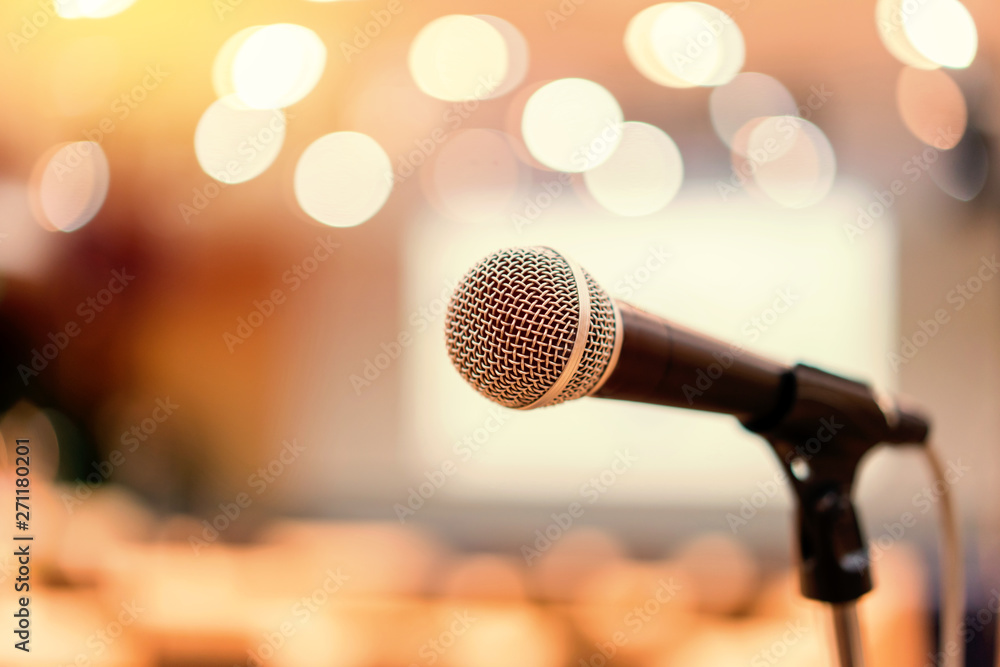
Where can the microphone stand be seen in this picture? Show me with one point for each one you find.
(820, 434)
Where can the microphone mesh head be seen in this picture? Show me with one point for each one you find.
(512, 326)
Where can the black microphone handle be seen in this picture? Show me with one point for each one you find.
(666, 364)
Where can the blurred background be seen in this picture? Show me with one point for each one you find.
(228, 233)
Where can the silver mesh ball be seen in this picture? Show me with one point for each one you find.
(512, 324)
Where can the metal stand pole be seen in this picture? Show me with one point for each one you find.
(847, 636)
(820, 439)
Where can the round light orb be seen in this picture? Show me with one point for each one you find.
(343, 179)
(927, 34)
(234, 144)
(90, 9)
(795, 163)
(222, 67)
(277, 65)
(749, 95)
(642, 176)
(517, 54)
(685, 44)
(932, 106)
(71, 187)
(459, 58)
(572, 125)
(943, 31)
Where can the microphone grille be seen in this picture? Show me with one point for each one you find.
(513, 328)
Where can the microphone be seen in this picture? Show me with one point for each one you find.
(528, 327)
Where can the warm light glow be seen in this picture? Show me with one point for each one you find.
(685, 44)
(932, 106)
(70, 189)
(943, 31)
(642, 176)
(962, 172)
(572, 125)
(222, 68)
(749, 95)
(343, 179)
(90, 9)
(25, 248)
(927, 34)
(475, 176)
(517, 54)
(795, 164)
(459, 58)
(277, 65)
(235, 144)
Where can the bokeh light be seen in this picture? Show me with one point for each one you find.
(475, 176)
(69, 185)
(235, 144)
(962, 172)
(343, 179)
(25, 248)
(517, 54)
(749, 95)
(943, 31)
(277, 65)
(927, 34)
(642, 176)
(90, 9)
(794, 163)
(459, 58)
(932, 106)
(222, 67)
(684, 44)
(572, 125)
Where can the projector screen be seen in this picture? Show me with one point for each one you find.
(789, 284)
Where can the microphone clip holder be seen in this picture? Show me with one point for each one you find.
(821, 431)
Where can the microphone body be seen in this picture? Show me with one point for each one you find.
(528, 327)
(666, 364)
